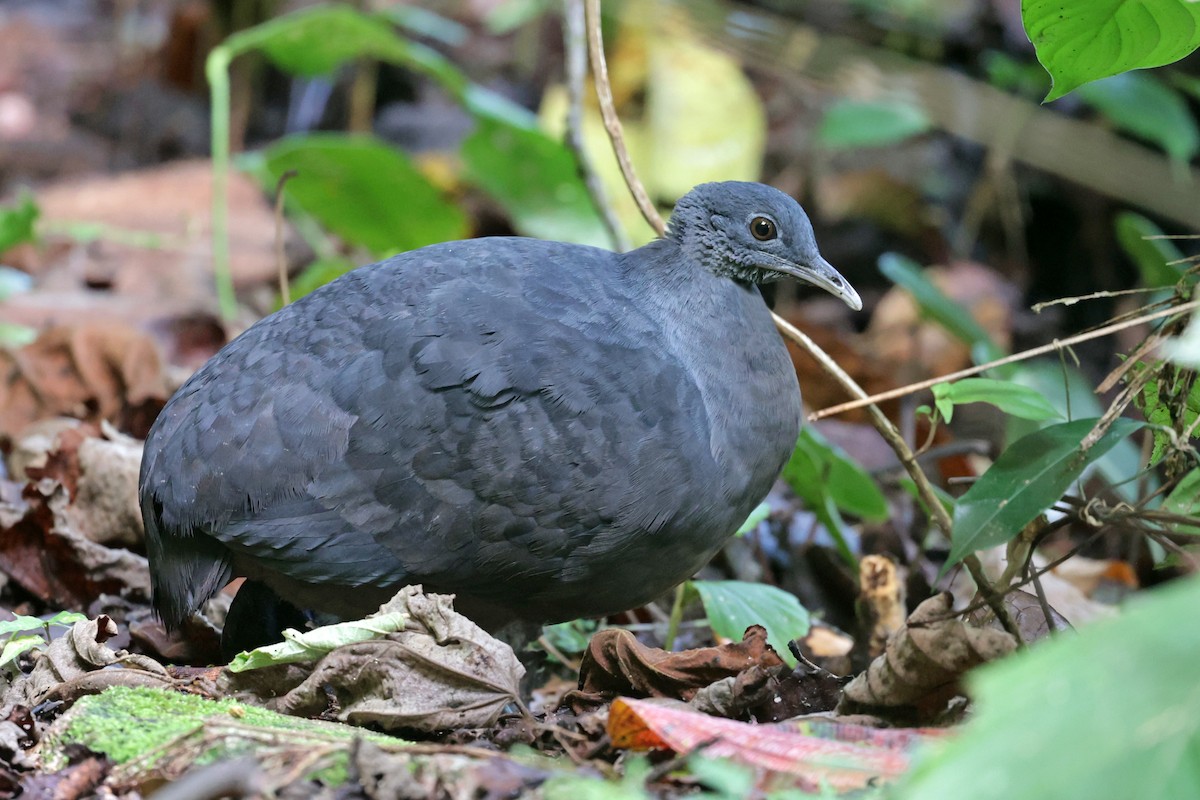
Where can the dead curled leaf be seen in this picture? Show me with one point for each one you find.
(442, 672)
(41, 550)
(99, 371)
(77, 656)
(617, 663)
(924, 661)
(99, 468)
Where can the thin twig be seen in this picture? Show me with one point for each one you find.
(1056, 345)
(575, 43)
(612, 123)
(285, 292)
(1038, 308)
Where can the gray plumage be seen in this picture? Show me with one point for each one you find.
(546, 430)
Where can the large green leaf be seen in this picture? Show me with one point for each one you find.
(733, 606)
(1026, 479)
(1109, 714)
(861, 123)
(1084, 40)
(1011, 398)
(1154, 256)
(937, 306)
(536, 180)
(365, 191)
(1142, 106)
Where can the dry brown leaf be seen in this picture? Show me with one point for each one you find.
(105, 371)
(52, 561)
(924, 662)
(916, 348)
(78, 655)
(169, 209)
(100, 472)
(443, 673)
(617, 663)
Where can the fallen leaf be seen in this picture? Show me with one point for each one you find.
(617, 663)
(442, 672)
(924, 663)
(841, 756)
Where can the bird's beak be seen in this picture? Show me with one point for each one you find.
(818, 272)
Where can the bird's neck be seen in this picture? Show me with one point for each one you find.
(722, 333)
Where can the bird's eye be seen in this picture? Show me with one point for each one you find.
(763, 229)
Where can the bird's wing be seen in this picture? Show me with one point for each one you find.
(439, 419)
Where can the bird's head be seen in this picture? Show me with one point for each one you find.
(755, 234)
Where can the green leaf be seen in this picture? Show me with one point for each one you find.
(807, 473)
(733, 606)
(570, 637)
(760, 512)
(21, 623)
(1011, 398)
(16, 222)
(1079, 41)
(906, 273)
(311, 645)
(17, 645)
(878, 123)
(536, 180)
(1152, 256)
(1184, 500)
(365, 191)
(851, 487)
(1116, 703)
(1144, 107)
(319, 273)
(1029, 476)
(66, 619)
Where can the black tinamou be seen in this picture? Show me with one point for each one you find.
(546, 430)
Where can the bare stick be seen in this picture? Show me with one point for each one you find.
(284, 290)
(612, 123)
(575, 42)
(1056, 345)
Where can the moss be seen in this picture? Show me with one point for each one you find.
(126, 723)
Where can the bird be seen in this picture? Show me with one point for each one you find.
(547, 431)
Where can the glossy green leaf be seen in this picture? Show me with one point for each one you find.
(906, 273)
(1074, 395)
(1027, 478)
(760, 512)
(1011, 398)
(16, 222)
(311, 645)
(807, 473)
(850, 486)
(870, 123)
(1112, 712)
(1144, 107)
(536, 180)
(1153, 256)
(733, 606)
(1079, 41)
(365, 191)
